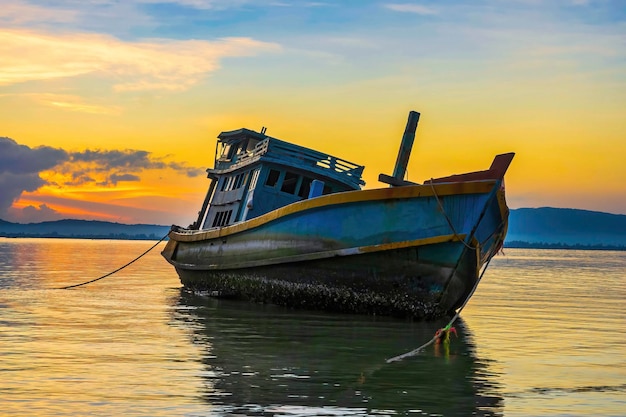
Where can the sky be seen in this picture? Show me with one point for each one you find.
(109, 110)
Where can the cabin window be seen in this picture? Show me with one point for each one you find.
(327, 189)
(234, 150)
(233, 182)
(255, 177)
(222, 218)
(242, 147)
(251, 145)
(225, 151)
(229, 150)
(289, 183)
(305, 187)
(272, 178)
(217, 218)
(224, 181)
(240, 180)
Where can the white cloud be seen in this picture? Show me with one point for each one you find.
(412, 8)
(154, 64)
(18, 12)
(231, 4)
(202, 4)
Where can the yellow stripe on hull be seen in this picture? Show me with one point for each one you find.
(412, 191)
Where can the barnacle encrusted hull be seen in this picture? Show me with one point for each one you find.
(405, 251)
(389, 283)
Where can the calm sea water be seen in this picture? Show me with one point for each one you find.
(544, 335)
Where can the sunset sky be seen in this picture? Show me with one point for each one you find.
(109, 110)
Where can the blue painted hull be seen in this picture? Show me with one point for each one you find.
(406, 251)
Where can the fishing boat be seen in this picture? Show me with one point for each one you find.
(288, 225)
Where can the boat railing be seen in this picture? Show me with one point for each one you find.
(309, 157)
(301, 156)
(260, 149)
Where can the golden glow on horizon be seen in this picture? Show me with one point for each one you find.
(161, 197)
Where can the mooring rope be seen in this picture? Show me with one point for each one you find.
(117, 270)
(443, 211)
(467, 245)
(446, 328)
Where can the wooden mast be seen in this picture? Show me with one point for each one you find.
(402, 161)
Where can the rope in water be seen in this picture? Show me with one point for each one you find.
(117, 270)
(448, 326)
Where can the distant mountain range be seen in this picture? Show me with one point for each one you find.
(528, 227)
(89, 229)
(566, 226)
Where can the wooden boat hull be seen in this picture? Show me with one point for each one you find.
(413, 251)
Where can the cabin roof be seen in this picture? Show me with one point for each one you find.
(239, 134)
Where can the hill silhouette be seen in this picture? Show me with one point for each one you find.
(566, 226)
(91, 229)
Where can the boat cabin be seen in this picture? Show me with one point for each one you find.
(254, 174)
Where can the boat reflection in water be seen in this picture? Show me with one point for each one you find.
(266, 360)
